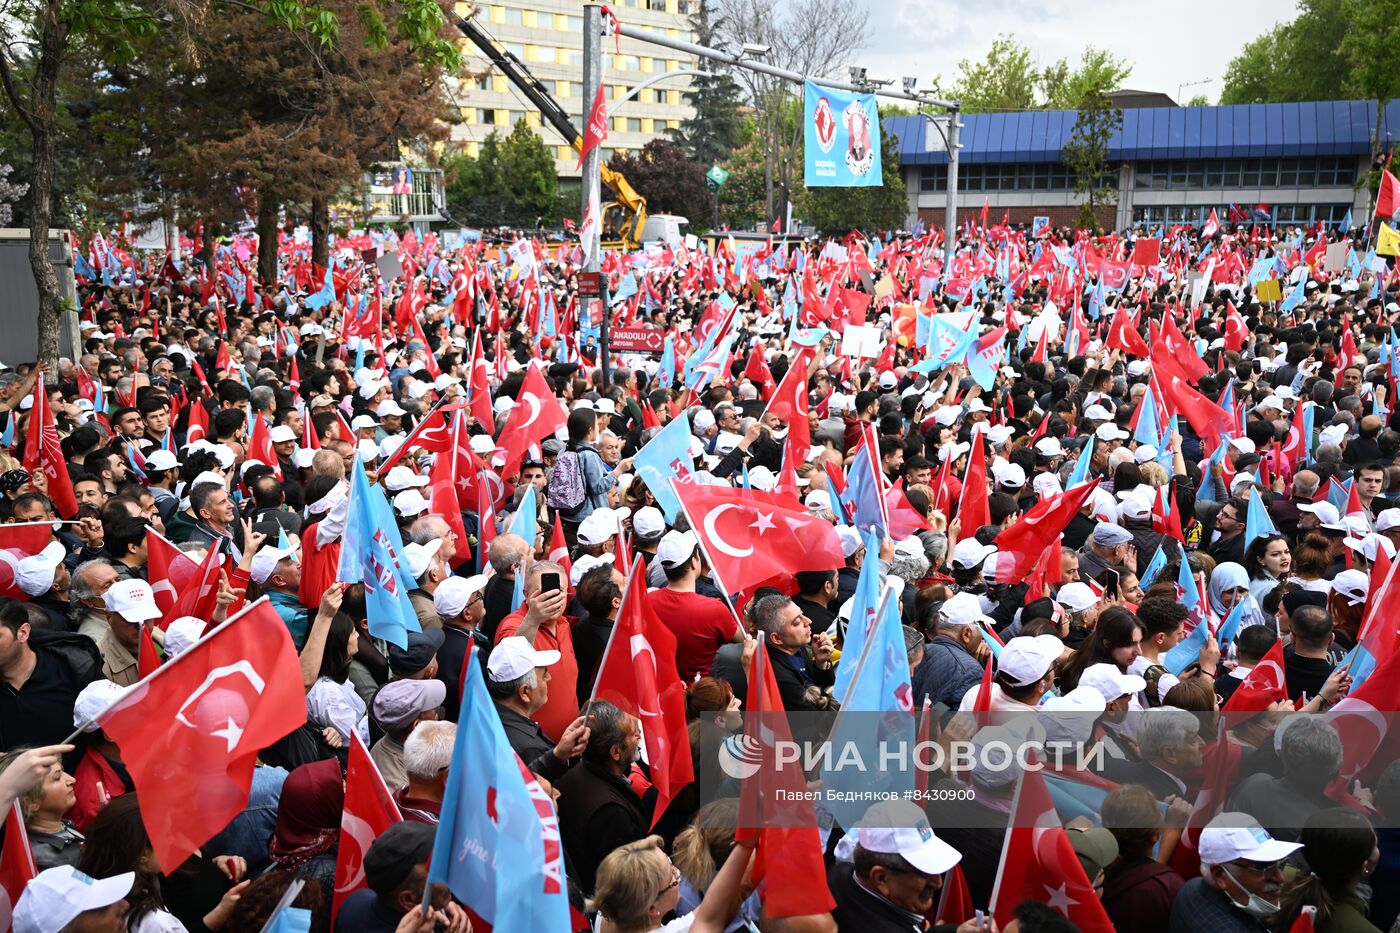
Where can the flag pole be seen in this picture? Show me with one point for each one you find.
(145, 681)
(612, 635)
(885, 594)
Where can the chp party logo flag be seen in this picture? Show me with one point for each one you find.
(842, 148)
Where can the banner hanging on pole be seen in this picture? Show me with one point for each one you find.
(842, 139)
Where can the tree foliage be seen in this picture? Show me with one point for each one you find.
(511, 182)
(712, 132)
(1306, 59)
(1086, 153)
(671, 183)
(837, 211)
(742, 202)
(1008, 78)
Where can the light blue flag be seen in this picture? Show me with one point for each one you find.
(1360, 664)
(1146, 431)
(1260, 270)
(625, 289)
(865, 493)
(327, 293)
(1080, 475)
(1230, 628)
(372, 553)
(290, 920)
(665, 457)
(517, 592)
(867, 600)
(949, 343)
(842, 135)
(284, 543)
(1207, 491)
(1295, 297)
(497, 846)
(666, 370)
(7, 439)
(983, 364)
(1257, 522)
(525, 521)
(1344, 226)
(1155, 566)
(1188, 650)
(877, 714)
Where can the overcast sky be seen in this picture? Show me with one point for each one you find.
(1167, 43)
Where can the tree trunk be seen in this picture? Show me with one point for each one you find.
(206, 245)
(43, 108)
(320, 230)
(267, 237)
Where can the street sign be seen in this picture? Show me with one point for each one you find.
(637, 339)
(590, 285)
(716, 176)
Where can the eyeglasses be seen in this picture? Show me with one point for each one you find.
(1258, 868)
(675, 881)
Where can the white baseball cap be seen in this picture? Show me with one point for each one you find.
(389, 408)
(181, 634)
(598, 527)
(1025, 659)
(898, 827)
(962, 609)
(1049, 447)
(410, 502)
(57, 896)
(1108, 680)
(35, 573)
(132, 600)
(401, 478)
(1386, 521)
(1081, 699)
(514, 656)
(363, 421)
(1110, 432)
(586, 563)
(419, 557)
(1098, 413)
(1352, 585)
(1232, 836)
(1076, 597)
(970, 552)
(648, 522)
(453, 594)
(94, 700)
(162, 460)
(675, 547)
(265, 563)
(281, 434)
(1326, 513)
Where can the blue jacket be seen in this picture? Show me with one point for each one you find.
(946, 673)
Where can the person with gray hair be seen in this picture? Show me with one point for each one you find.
(87, 613)
(505, 555)
(427, 752)
(1311, 752)
(598, 810)
(541, 623)
(803, 683)
(1170, 744)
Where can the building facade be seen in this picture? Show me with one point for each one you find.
(1293, 163)
(547, 37)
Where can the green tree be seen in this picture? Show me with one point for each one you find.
(1066, 88)
(512, 182)
(1309, 58)
(837, 211)
(37, 38)
(671, 183)
(742, 197)
(527, 170)
(712, 131)
(1087, 154)
(1200, 100)
(1004, 79)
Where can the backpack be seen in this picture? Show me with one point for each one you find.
(566, 490)
(1152, 675)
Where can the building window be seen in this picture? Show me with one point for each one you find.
(514, 17)
(634, 124)
(656, 6)
(488, 117)
(481, 82)
(516, 49)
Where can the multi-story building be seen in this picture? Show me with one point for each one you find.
(1292, 163)
(547, 36)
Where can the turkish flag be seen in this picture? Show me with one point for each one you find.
(757, 372)
(171, 569)
(749, 535)
(1263, 687)
(1021, 545)
(1147, 252)
(1212, 226)
(18, 541)
(973, 510)
(199, 595)
(190, 734)
(1236, 332)
(369, 811)
(1123, 335)
(789, 404)
(537, 415)
(446, 490)
(197, 428)
(774, 807)
(638, 674)
(147, 658)
(1038, 863)
(1388, 197)
(17, 866)
(1171, 342)
(479, 386)
(433, 433)
(42, 451)
(1206, 418)
(954, 905)
(595, 131)
(260, 446)
(904, 518)
(559, 547)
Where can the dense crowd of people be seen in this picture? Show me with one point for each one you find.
(1235, 463)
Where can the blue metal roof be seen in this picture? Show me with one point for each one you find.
(1310, 128)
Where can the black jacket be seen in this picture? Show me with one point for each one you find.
(528, 741)
(860, 911)
(793, 682)
(597, 813)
